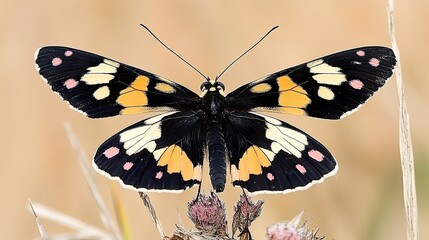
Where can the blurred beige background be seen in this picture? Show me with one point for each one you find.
(363, 201)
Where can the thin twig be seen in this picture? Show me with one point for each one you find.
(152, 213)
(179, 219)
(38, 222)
(83, 160)
(405, 145)
(84, 229)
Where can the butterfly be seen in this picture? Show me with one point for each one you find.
(166, 152)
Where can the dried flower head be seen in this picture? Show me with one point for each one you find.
(208, 214)
(291, 231)
(246, 211)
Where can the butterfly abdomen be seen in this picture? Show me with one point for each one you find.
(217, 155)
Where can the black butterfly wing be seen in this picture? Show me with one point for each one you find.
(101, 87)
(330, 87)
(270, 156)
(162, 153)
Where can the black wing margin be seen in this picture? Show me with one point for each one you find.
(330, 87)
(101, 87)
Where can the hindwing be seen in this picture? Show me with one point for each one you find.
(162, 153)
(271, 156)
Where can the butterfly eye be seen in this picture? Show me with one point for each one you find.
(221, 85)
(204, 86)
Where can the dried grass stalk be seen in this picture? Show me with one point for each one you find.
(106, 218)
(405, 145)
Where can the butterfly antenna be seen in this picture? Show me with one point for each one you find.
(254, 45)
(177, 55)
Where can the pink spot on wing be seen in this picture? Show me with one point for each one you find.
(374, 62)
(56, 61)
(360, 53)
(270, 176)
(316, 155)
(301, 168)
(128, 165)
(158, 175)
(111, 152)
(70, 83)
(356, 84)
(68, 53)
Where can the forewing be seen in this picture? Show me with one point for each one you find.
(101, 87)
(270, 156)
(330, 87)
(162, 153)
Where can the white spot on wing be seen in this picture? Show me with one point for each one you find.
(93, 79)
(139, 138)
(132, 134)
(330, 78)
(102, 68)
(324, 68)
(150, 146)
(286, 139)
(158, 153)
(101, 93)
(102, 73)
(314, 63)
(325, 93)
(270, 155)
(112, 63)
(325, 73)
(276, 147)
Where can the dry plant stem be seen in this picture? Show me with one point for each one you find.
(152, 213)
(83, 160)
(39, 224)
(121, 218)
(405, 145)
(179, 218)
(84, 230)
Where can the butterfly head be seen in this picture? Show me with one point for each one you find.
(212, 86)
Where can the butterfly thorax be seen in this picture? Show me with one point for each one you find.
(212, 105)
